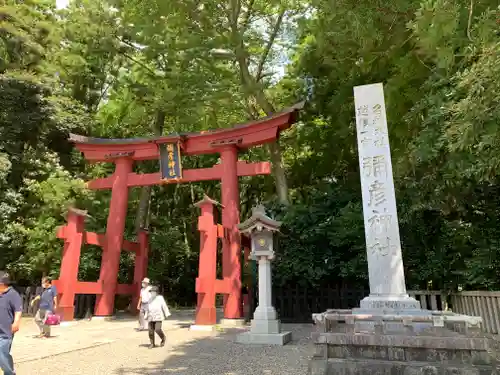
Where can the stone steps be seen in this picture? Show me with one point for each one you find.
(452, 356)
(435, 350)
(339, 366)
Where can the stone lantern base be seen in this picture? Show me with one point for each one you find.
(265, 332)
(276, 338)
(281, 338)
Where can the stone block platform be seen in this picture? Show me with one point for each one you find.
(437, 344)
(280, 338)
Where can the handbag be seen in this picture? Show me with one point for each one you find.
(52, 319)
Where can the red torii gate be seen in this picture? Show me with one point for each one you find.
(123, 153)
(75, 236)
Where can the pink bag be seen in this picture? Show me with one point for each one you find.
(52, 319)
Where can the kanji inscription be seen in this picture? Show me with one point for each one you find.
(379, 202)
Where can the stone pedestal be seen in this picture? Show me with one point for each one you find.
(265, 327)
(265, 331)
(392, 305)
(280, 338)
(450, 344)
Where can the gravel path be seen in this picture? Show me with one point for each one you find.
(186, 353)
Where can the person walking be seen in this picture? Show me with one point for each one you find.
(48, 305)
(11, 307)
(157, 312)
(142, 304)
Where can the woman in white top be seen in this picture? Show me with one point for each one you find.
(157, 312)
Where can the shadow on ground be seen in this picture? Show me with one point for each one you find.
(219, 354)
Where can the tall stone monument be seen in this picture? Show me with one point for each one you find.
(389, 334)
(383, 246)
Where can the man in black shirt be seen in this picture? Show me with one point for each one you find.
(11, 307)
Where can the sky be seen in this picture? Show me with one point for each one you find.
(61, 3)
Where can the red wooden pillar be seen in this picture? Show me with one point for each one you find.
(207, 270)
(245, 304)
(231, 264)
(141, 265)
(114, 238)
(73, 233)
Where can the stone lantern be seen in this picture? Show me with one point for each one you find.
(265, 326)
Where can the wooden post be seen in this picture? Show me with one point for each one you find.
(114, 238)
(140, 266)
(205, 283)
(73, 234)
(245, 299)
(231, 263)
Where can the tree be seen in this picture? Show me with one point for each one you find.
(26, 34)
(121, 69)
(221, 42)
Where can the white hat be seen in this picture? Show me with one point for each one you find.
(146, 280)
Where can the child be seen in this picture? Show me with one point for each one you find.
(157, 312)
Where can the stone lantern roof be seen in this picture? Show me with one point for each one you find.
(77, 211)
(259, 221)
(207, 199)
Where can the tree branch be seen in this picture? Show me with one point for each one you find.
(131, 45)
(469, 21)
(234, 13)
(252, 112)
(104, 91)
(248, 15)
(141, 64)
(135, 48)
(269, 45)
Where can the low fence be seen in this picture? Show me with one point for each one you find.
(476, 303)
(27, 295)
(296, 305)
(84, 303)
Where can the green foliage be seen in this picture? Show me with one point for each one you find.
(438, 65)
(26, 34)
(321, 239)
(122, 69)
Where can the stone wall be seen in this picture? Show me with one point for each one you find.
(346, 347)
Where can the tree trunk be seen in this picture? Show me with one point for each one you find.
(143, 209)
(274, 150)
(279, 173)
(253, 89)
(141, 218)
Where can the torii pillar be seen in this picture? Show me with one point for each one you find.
(231, 262)
(114, 237)
(207, 271)
(141, 265)
(72, 233)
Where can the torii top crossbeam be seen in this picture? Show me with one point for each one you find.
(243, 136)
